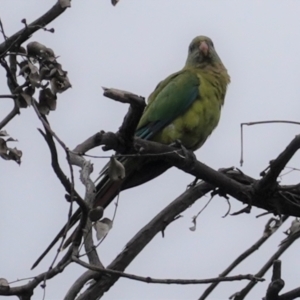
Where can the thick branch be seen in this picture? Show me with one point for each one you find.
(277, 283)
(132, 118)
(277, 165)
(79, 284)
(144, 236)
(283, 200)
(291, 295)
(241, 191)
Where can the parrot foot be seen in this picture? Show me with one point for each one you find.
(178, 144)
(190, 158)
(189, 155)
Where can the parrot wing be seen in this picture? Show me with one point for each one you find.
(171, 98)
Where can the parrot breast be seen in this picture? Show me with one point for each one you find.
(195, 125)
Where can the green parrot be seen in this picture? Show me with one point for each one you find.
(186, 106)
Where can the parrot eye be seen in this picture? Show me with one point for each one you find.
(192, 47)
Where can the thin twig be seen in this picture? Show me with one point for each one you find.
(165, 281)
(133, 116)
(9, 96)
(268, 232)
(245, 291)
(2, 30)
(277, 165)
(12, 84)
(24, 34)
(68, 187)
(259, 123)
(30, 286)
(15, 111)
(46, 125)
(132, 155)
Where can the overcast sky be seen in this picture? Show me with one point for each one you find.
(133, 46)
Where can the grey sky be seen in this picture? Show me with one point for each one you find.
(133, 46)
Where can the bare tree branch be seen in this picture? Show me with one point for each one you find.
(164, 281)
(12, 84)
(144, 236)
(276, 284)
(68, 187)
(269, 180)
(8, 96)
(24, 34)
(133, 116)
(242, 294)
(291, 295)
(280, 200)
(26, 291)
(264, 193)
(270, 228)
(233, 183)
(78, 285)
(15, 111)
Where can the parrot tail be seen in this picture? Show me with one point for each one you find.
(138, 171)
(106, 191)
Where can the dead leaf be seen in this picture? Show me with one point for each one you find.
(96, 213)
(15, 154)
(44, 110)
(116, 170)
(293, 231)
(47, 101)
(44, 73)
(3, 146)
(10, 139)
(194, 227)
(3, 282)
(34, 76)
(102, 228)
(9, 153)
(59, 84)
(52, 72)
(24, 69)
(36, 49)
(3, 133)
(25, 99)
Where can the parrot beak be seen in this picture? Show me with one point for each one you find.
(203, 47)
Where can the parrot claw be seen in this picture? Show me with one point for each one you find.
(177, 144)
(190, 158)
(189, 155)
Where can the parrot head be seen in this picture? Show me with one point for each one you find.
(202, 52)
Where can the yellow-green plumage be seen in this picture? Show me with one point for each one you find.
(186, 106)
(194, 126)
